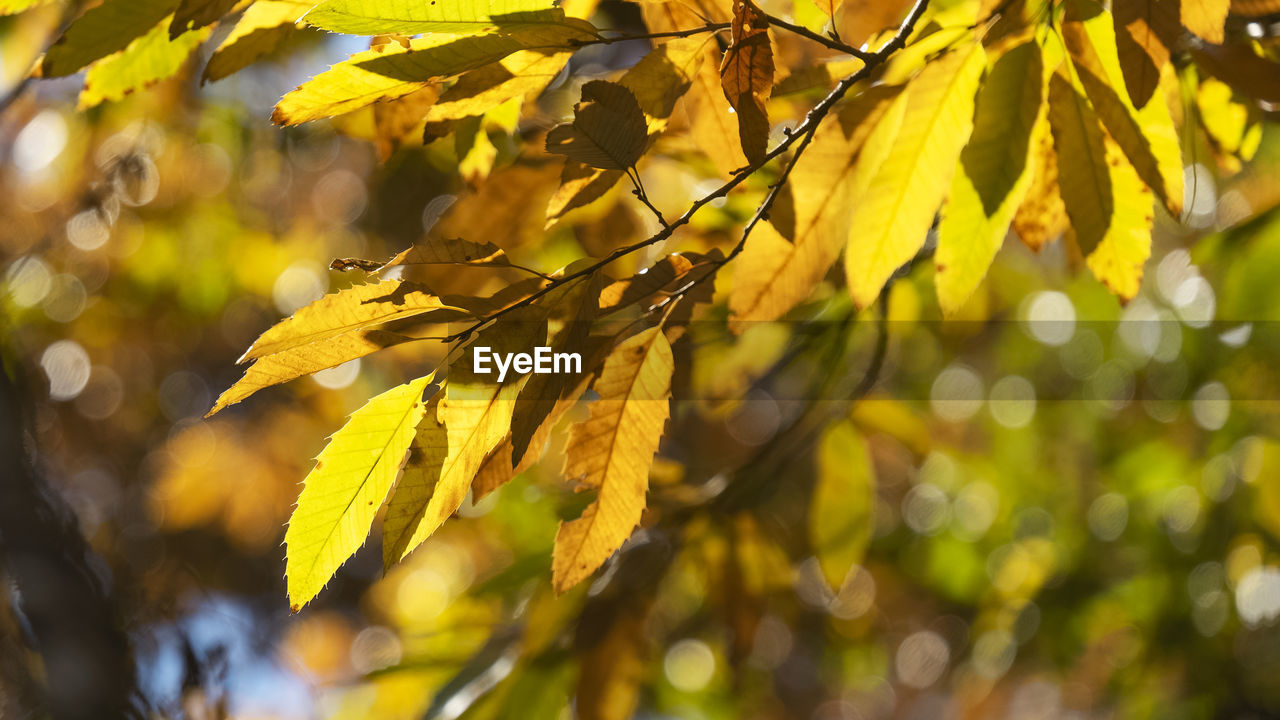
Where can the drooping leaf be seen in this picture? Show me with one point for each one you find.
(608, 129)
(1041, 218)
(103, 30)
(351, 479)
(412, 17)
(146, 61)
(304, 360)
(348, 310)
(1144, 29)
(840, 512)
(994, 174)
(1225, 118)
(611, 452)
(858, 20)
(746, 76)
(711, 118)
(451, 251)
(892, 218)
(260, 30)
(1206, 18)
(779, 270)
(580, 185)
(1147, 137)
(393, 70)
(1241, 68)
(481, 90)
(473, 418)
(613, 662)
(195, 14)
(1118, 259)
(624, 293)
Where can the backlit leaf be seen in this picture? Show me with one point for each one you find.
(474, 416)
(840, 512)
(746, 76)
(611, 452)
(778, 270)
(102, 30)
(1041, 218)
(148, 60)
(412, 17)
(608, 129)
(345, 311)
(451, 251)
(712, 121)
(351, 479)
(260, 30)
(1144, 29)
(393, 70)
(481, 90)
(195, 14)
(994, 174)
(892, 219)
(1147, 137)
(1206, 18)
(13, 7)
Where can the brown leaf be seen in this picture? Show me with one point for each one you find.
(1145, 29)
(608, 129)
(746, 76)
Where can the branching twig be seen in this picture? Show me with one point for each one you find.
(833, 43)
(802, 133)
(643, 196)
(688, 32)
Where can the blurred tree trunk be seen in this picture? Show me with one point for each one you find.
(87, 667)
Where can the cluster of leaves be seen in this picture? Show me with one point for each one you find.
(933, 136)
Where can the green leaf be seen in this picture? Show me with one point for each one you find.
(994, 174)
(608, 129)
(349, 310)
(392, 70)
(148, 60)
(412, 17)
(840, 512)
(103, 30)
(351, 479)
(892, 218)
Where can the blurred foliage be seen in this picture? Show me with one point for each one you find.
(1050, 504)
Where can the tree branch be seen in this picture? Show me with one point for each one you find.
(688, 32)
(833, 43)
(802, 133)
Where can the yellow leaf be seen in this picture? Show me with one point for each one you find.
(858, 20)
(412, 17)
(1225, 119)
(1041, 218)
(994, 174)
(580, 185)
(1118, 259)
(351, 479)
(711, 119)
(892, 218)
(398, 121)
(393, 71)
(481, 90)
(13, 7)
(746, 76)
(1206, 18)
(304, 360)
(623, 293)
(1147, 137)
(260, 30)
(451, 251)
(611, 452)
(608, 129)
(474, 416)
(195, 14)
(840, 512)
(347, 310)
(103, 30)
(148, 60)
(774, 275)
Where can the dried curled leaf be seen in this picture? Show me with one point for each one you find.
(746, 76)
(611, 452)
(608, 129)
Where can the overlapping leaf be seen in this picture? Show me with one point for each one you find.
(393, 70)
(1144, 30)
(196, 14)
(351, 479)
(412, 17)
(1206, 18)
(611, 452)
(103, 30)
(260, 30)
(994, 175)
(892, 218)
(147, 60)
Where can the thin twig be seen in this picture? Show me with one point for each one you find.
(643, 196)
(833, 43)
(688, 32)
(808, 126)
